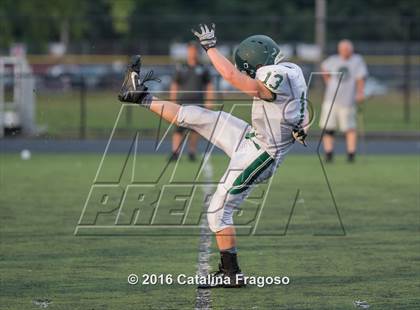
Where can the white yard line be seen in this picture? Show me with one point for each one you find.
(203, 297)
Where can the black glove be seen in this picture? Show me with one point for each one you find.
(207, 36)
(299, 135)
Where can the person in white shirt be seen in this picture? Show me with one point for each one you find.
(344, 75)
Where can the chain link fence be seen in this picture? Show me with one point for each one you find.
(76, 92)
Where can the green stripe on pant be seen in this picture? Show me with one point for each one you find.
(251, 173)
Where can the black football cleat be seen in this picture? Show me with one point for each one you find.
(132, 75)
(133, 89)
(228, 276)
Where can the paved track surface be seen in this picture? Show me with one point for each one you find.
(148, 146)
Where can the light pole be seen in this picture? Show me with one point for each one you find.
(320, 28)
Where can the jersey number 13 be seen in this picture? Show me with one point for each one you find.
(278, 78)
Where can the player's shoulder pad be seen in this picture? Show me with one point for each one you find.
(274, 75)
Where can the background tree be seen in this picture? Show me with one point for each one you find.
(149, 25)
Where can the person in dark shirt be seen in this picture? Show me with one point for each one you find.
(191, 86)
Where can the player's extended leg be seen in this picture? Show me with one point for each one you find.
(165, 109)
(220, 128)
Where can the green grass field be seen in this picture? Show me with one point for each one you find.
(377, 260)
(60, 113)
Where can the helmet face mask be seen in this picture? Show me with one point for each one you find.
(256, 51)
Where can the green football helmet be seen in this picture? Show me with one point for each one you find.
(257, 51)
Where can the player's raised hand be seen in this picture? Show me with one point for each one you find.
(207, 36)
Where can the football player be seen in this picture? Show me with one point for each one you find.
(279, 116)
